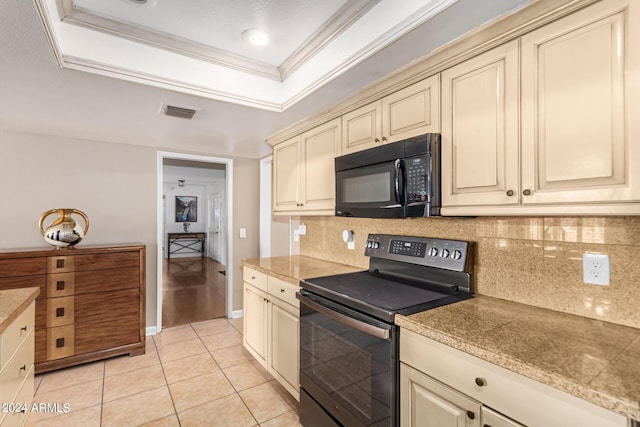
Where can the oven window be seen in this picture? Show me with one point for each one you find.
(348, 368)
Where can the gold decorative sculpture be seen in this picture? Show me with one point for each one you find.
(63, 231)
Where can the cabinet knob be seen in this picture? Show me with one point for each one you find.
(481, 382)
(282, 290)
(486, 425)
(384, 138)
(24, 328)
(510, 193)
(253, 277)
(471, 415)
(527, 192)
(377, 140)
(23, 367)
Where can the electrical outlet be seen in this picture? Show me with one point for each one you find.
(595, 269)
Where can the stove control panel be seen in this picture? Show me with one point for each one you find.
(431, 252)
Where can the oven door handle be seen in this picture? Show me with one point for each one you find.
(344, 319)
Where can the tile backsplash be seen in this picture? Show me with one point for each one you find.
(531, 260)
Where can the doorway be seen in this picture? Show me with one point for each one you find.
(192, 250)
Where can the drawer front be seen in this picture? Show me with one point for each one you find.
(107, 280)
(101, 307)
(60, 311)
(60, 284)
(22, 267)
(283, 290)
(26, 282)
(92, 337)
(17, 370)
(60, 264)
(503, 390)
(255, 278)
(16, 333)
(107, 261)
(23, 401)
(60, 342)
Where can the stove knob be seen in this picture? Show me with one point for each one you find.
(369, 244)
(376, 245)
(444, 253)
(456, 254)
(433, 252)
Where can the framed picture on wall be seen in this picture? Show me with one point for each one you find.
(186, 209)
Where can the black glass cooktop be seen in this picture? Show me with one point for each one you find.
(381, 296)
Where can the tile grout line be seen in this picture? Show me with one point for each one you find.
(104, 375)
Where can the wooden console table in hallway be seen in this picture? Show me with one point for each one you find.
(191, 246)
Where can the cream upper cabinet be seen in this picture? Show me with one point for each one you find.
(580, 104)
(408, 112)
(304, 171)
(480, 129)
(569, 144)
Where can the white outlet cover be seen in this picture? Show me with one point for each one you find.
(296, 236)
(596, 269)
(243, 233)
(302, 229)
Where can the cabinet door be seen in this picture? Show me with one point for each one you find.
(424, 402)
(319, 147)
(480, 163)
(255, 323)
(286, 175)
(580, 102)
(412, 111)
(362, 128)
(284, 341)
(490, 418)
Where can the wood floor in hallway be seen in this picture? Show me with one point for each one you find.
(193, 290)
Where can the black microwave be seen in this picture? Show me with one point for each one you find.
(396, 180)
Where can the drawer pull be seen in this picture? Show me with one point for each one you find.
(59, 342)
(282, 290)
(23, 368)
(481, 382)
(60, 312)
(253, 277)
(60, 285)
(60, 263)
(471, 415)
(24, 328)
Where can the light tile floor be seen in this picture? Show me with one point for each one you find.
(192, 375)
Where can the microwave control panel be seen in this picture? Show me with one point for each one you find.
(417, 169)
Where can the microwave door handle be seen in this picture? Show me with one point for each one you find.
(399, 175)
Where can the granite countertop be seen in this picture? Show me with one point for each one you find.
(590, 359)
(13, 302)
(294, 268)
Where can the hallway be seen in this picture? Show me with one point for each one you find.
(193, 290)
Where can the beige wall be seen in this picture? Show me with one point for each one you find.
(536, 261)
(115, 185)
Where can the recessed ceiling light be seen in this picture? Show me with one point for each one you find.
(255, 36)
(142, 3)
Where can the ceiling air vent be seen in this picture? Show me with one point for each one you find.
(173, 111)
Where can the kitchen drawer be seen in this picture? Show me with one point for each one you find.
(60, 311)
(283, 290)
(15, 333)
(60, 264)
(60, 342)
(23, 401)
(91, 337)
(255, 278)
(17, 370)
(503, 390)
(60, 284)
(109, 306)
(22, 267)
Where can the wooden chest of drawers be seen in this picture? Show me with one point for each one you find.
(91, 304)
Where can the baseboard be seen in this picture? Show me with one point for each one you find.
(235, 314)
(152, 330)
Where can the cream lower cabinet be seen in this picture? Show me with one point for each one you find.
(441, 386)
(304, 171)
(271, 326)
(544, 124)
(411, 111)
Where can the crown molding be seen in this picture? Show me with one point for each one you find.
(70, 14)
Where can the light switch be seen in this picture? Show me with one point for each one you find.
(243, 233)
